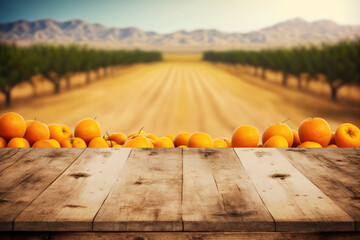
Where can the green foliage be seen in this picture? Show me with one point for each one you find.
(55, 62)
(340, 63)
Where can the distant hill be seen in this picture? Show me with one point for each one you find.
(289, 33)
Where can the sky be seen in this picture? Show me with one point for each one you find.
(165, 16)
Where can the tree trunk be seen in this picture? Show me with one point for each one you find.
(88, 77)
(57, 86)
(7, 98)
(284, 80)
(299, 83)
(334, 93)
(263, 74)
(68, 82)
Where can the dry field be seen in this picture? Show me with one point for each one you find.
(182, 93)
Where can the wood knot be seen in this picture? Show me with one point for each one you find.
(281, 176)
(74, 206)
(138, 183)
(79, 175)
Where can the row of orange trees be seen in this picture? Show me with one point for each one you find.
(339, 63)
(59, 62)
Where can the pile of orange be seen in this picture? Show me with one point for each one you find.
(15, 132)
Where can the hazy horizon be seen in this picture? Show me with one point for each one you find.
(167, 16)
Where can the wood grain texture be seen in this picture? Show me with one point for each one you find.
(147, 194)
(335, 172)
(9, 156)
(219, 196)
(205, 235)
(27, 177)
(295, 203)
(72, 201)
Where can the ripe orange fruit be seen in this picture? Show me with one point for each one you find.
(200, 140)
(171, 136)
(181, 139)
(37, 131)
(347, 135)
(220, 143)
(279, 129)
(296, 141)
(164, 142)
(309, 144)
(59, 132)
(27, 122)
(245, 136)
(152, 136)
(87, 129)
(118, 146)
(73, 143)
(98, 142)
(119, 138)
(228, 141)
(181, 146)
(276, 142)
(137, 133)
(46, 143)
(110, 143)
(138, 142)
(12, 125)
(18, 143)
(315, 130)
(2, 143)
(332, 146)
(332, 140)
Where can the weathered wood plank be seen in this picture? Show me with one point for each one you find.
(9, 156)
(295, 203)
(206, 235)
(27, 177)
(335, 172)
(147, 195)
(219, 196)
(72, 201)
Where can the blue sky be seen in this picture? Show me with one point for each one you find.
(166, 16)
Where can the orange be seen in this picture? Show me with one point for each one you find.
(98, 142)
(228, 141)
(37, 131)
(118, 146)
(28, 122)
(152, 136)
(260, 145)
(332, 140)
(2, 143)
(12, 125)
(220, 143)
(110, 143)
(138, 142)
(119, 138)
(200, 140)
(164, 142)
(245, 136)
(171, 136)
(296, 141)
(347, 135)
(87, 129)
(276, 142)
(46, 143)
(136, 133)
(18, 143)
(315, 130)
(279, 129)
(309, 144)
(181, 146)
(181, 139)
(332, 146)
(73, 143)
(59, 132)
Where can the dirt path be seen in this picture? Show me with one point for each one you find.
(183, 94)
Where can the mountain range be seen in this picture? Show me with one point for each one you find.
(285, 34)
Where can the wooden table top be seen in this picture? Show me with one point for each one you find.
(181, 190)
